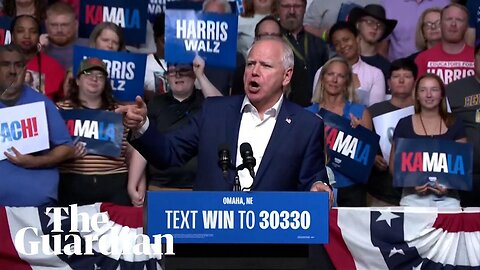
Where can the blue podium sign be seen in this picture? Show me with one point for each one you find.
(239, 217)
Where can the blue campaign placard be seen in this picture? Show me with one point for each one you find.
(351, 151)
(101, 131)
(126, 71)
(421, 161)
(210, 35)
(131, 16)
(239, 217)
(155, 7)
(5, 35)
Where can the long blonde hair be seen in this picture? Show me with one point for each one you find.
(348, 92)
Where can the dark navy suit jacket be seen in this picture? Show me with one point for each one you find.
(293, 159)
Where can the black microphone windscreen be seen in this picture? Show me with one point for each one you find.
(245, 148)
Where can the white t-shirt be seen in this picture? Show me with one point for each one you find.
(155, 80)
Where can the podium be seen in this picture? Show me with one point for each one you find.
(239, 230)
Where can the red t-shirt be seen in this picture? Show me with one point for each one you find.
(50, 83)
(449, 67)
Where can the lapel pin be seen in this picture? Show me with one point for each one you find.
(288, 120)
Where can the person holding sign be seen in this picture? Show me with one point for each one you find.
(431, 120)
(28, 179)
(335, 93)
(264, 118)
(401, 79)
(93, 178)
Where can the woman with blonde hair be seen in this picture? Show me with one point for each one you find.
(335, 92)
(428, 32)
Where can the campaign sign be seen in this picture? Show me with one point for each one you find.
(421, 161)
(125, 70)
(155, 7)
(239, 217)
(5, 35)
(101, 131)
(24, 127)
(210, 35)
(351, 151)
(385, 126)
(131, 16)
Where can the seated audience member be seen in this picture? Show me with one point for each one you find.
(335, 92)
(92, 178)
(30, 179)
(401, 80)
(255, 10)
(369, 81)
(373, 27)
(464, 100)
(46, 75)
(428, 32)
(431, 120)
(156, 67)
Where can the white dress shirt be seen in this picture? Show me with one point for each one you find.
(257, 133)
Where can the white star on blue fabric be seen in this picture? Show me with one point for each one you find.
(387, 216)
(51, 221)
(396, 251)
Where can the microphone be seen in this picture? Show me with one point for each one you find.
(249, 161)
(224, 159)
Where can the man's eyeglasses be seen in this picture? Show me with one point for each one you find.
(372, 23)
(431, 25)
(91, 75)
(179, 72)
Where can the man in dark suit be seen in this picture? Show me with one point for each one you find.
(287, 141)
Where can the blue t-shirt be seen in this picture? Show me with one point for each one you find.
(34, 187)
(350, 108)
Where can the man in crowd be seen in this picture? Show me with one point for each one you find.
(452, 58)
(29, 179)
(372, 27)
(464, 100)
(62, 28)
(310, 51)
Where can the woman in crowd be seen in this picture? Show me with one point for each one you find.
(335, 92)
(428, 32)
(45, 74)
(369, 80)
(431, 120)
(107, 36)
(255, 10)
(93, 178)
